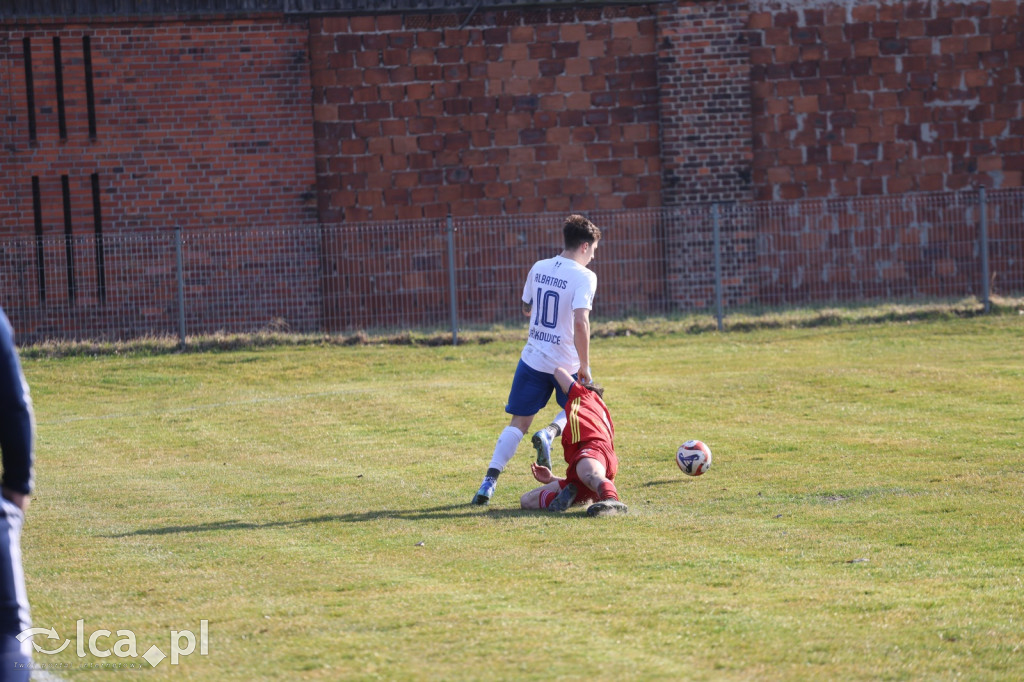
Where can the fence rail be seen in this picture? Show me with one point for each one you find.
(454, 273)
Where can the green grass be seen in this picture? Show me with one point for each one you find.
(862, 519)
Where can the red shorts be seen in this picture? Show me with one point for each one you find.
(599, 451)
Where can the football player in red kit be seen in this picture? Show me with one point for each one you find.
(588, 443)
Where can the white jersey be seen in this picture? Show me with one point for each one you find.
(555, 288)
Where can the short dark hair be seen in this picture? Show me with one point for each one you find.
(596, 388)
(578, 230)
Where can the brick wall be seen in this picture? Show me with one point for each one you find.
(703, 77)
(518, 112)
(273, 120)
(196, 124)
(860, 99)
(704, 83)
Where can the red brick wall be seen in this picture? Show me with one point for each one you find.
(703, 77)
(340, 119)
(207, 123)
(198, 124)
(867, 99)
(520, 112)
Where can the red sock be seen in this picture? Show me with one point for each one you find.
(608, 491)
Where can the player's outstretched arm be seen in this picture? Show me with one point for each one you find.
(564, 379)
(542, 474)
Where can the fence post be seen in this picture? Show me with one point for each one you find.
(181, 285)
(451, 279)
(985, 293)
(718, 264)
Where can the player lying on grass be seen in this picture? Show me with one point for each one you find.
(588, 443)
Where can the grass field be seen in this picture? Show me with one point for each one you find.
(863, 518)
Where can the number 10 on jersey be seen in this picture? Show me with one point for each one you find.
(546, 313)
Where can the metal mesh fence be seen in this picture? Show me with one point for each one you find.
(246, 280)
(447, 274)
(384, 276)
(1005, 227)
(55, 287)
(492, 257)
(905, 247)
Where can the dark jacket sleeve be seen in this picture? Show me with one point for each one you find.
(15, 415)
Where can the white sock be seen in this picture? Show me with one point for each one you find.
(560, 420)
(505, 448)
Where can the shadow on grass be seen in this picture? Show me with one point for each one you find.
(453, 511)
(664, 481)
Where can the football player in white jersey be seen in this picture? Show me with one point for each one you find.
(558, 296)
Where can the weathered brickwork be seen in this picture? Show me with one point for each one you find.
(860, 99)
(703, 76)
(130, 125)
(855, 100)
(518, 112)
(195, 124)
(191, 124)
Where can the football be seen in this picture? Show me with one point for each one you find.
(693, 457)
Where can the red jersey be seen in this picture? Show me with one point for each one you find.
(588, 433)
(589, 424)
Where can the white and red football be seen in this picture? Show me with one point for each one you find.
(693, 457)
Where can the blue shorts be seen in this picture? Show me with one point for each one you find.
(531, 391)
